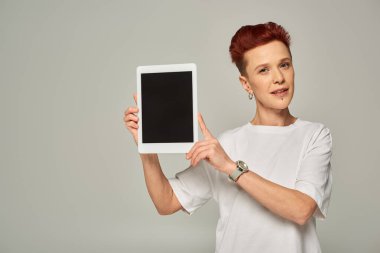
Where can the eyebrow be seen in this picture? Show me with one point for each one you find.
(281, 60)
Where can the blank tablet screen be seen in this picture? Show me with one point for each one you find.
(167, 107)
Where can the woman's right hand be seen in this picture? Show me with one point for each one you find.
(131, 119)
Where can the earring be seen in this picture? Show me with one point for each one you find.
(250, 95)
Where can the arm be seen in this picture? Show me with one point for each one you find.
(287, 203)
(158, 186)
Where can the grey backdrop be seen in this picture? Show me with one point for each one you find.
(71, 179)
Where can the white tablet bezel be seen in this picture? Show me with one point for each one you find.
(167, 147)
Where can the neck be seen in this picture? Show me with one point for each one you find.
(273, 117)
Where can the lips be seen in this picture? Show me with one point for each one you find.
(279, 91)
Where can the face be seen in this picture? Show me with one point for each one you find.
(269, 68)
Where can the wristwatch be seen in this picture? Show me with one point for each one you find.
(241, 167)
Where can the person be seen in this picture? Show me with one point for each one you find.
(271, 177)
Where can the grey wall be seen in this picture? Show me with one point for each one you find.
(70, 175)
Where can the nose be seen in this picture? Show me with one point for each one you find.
(278, 76)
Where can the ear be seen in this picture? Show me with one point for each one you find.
(244, 82)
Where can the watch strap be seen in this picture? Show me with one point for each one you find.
(241, 168)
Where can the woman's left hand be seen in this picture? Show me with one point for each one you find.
(210, 150)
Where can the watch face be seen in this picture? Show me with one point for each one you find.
(243, 165)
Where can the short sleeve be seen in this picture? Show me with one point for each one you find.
(192, 187)
(314, 177)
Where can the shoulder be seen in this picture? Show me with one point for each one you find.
(310, 125)
(316, 127)
(227, 137)
(317, 132)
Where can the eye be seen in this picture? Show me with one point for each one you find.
(263, 70)
(285, 65)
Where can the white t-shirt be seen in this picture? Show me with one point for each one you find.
(295, 156)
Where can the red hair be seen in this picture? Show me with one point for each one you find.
(251, 36)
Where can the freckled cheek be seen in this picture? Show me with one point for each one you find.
(261, 82)
(262, 88)
(289, 76)
(264, 85)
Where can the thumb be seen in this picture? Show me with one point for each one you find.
(206, 133)
(135, 97)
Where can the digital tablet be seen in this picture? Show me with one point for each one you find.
(167, 102)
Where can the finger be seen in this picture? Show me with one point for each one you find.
(197, 145)
(131, 117)
(200, 144)
(131, 109)
(195, 157)
(135, 97)
(206, 133)
(131, 125)
(202, 155)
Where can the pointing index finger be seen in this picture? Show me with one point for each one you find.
(206, 133)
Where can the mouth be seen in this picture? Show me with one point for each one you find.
(280, 92)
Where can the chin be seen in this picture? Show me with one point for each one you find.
(281, 104)
(281, 107)
(278, 104)
(275, 103)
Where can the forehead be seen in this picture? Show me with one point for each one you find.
(269, 53)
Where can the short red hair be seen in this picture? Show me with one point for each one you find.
(251, 36)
